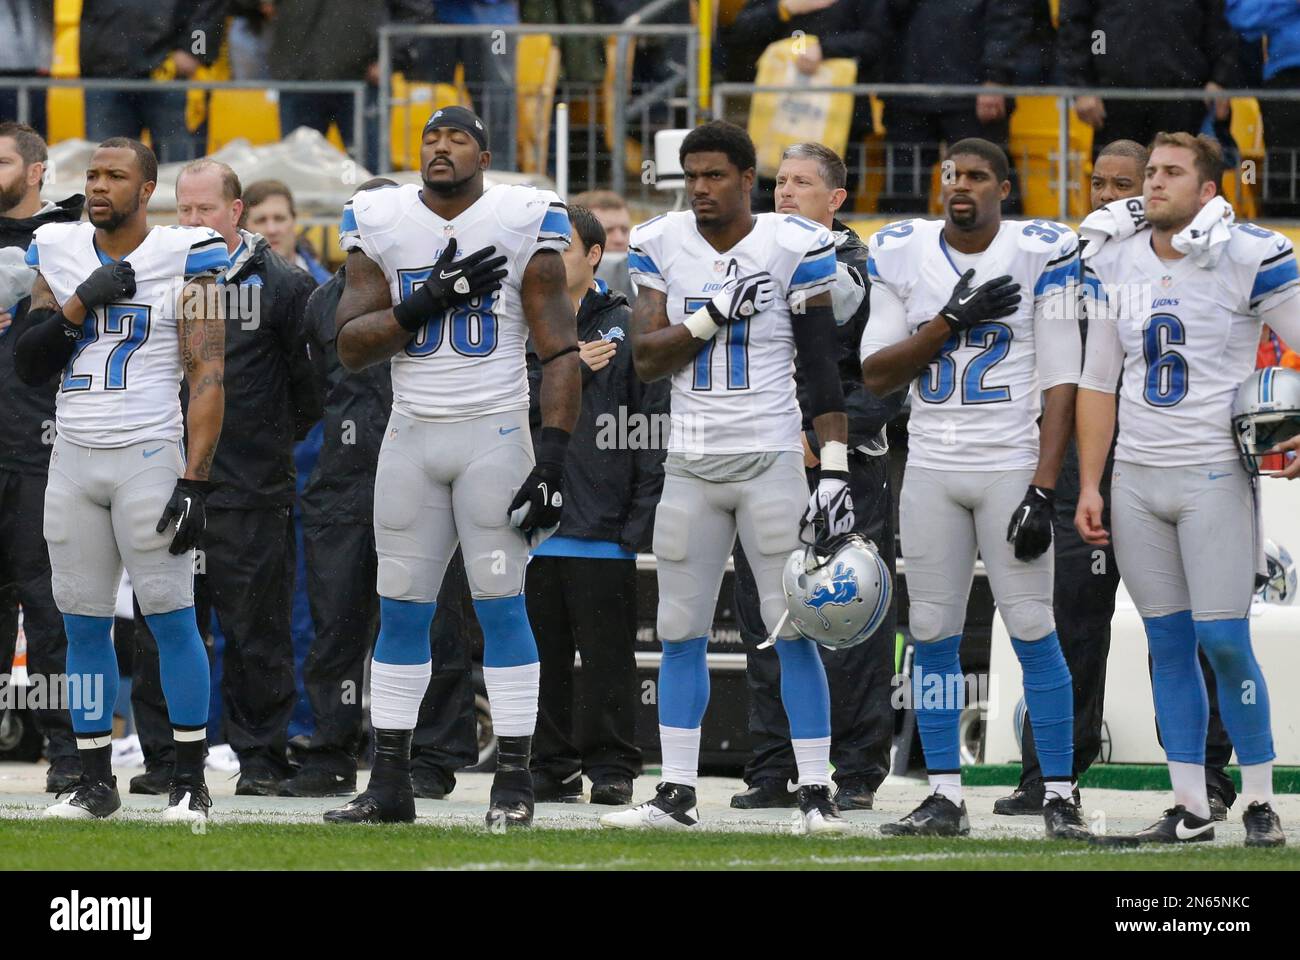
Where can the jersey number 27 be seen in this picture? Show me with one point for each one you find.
(130, 321)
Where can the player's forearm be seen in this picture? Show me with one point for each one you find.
(1094, 418)
(1054, 433)
(900, 363)
(370, 339)
(206, 410)
(661, 353)
(831, 427)
(562, 392)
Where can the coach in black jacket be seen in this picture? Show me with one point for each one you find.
(581, 583)
(811, 182)
(26, 438)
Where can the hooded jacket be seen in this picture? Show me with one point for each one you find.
(27, 413)
(613, 472)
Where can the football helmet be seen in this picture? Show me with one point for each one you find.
(837, 593)
(1278, 585)
(1265, 412)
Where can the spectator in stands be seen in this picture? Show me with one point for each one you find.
(581, 585)
(1278, 21)
(611, 210)
(582, 58)
(269, 210)
(140, 40)
(1118, 44)
(337, 40)
(250, 39)
(937, 41)
(27, 27)
(339, 542)
(272, 397)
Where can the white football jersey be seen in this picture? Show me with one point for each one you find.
(1188, 338)
(470, 361)
(976, 405)
(122, 385)
(738, 396)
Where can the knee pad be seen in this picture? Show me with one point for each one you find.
(164, 592)
(927, 621)
(1028, 619)
(498, 572)
(393, 578)
(677, 622)
(672, 532)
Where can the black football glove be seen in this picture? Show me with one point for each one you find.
(185, 510)
(742, 298)
(1031, 525)
(112, 281)
(830, 508)
(535, 510)
(450, 284)
(992, 299)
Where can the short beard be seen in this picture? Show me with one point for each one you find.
(450, 188)
(11, 197)
(1164, 220)
(115, 218)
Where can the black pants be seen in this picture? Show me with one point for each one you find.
(862, 721)
(245, 573)
(1282, 134)
(345, 613)
(588, 725)
(25, 565)
(1141, 120)
(913, 138)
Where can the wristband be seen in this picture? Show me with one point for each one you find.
(551, 444)
(835, 456)
(702, 325)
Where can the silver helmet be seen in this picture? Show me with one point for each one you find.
(1278, 585)
(1265, 412)
(837, 593)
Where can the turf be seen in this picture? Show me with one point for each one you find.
(125, 845)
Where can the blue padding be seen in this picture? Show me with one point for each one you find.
(507, 636)
(404, 631)
(684, 683)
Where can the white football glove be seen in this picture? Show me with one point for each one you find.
(831, 505)
(739, 299)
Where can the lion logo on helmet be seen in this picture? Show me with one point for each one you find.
(841, 591)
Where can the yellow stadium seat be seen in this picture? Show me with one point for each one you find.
(1035, 143)
(414, 103)
(253, 115)
(1240, 187)
(537, 70)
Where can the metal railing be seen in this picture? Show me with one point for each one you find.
(26, 86)
(1063, 95)
(625, 34)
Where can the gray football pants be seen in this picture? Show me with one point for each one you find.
(439, 484)
(945, 516)
(102, 508)
(696, 525)
(1185, 538)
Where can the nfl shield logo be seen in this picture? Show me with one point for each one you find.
(448, 230)
(719, 266)
(1166, 281)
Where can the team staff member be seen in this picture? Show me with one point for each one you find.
(26, 436)
(1087, 575)
(249, 551)
(811, 182)
(339, 540)
(581, 584)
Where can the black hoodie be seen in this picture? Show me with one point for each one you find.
(27, 413)
(610, 491)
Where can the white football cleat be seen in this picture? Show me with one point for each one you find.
(88, 800)
(188, 802)
(819, 813)
(673, 808)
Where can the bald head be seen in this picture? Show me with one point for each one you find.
(208, 195)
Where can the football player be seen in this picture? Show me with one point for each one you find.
(126, 310)
(449, 280)
(975, 313)
(1178, 310)
(728, 302)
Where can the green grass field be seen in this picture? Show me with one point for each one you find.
(125, 845)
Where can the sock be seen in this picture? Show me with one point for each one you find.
(1049, 697)
(1243, 694)
(681, 753)
(1189, 786)
(403, 631)
(392, 767)
(507, 636)
(395, 693)
(512, 695)
(684, 684)
(183, 664)
(96, 749)
(938, 697)
(1178, 688)
(947, 785)
(1062, 789)
(1257, 782)
(813, 758)
(804, 693)
(191, 746)
(92, 673)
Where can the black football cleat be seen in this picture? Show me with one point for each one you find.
(317, 781)
(673, 808)
(1263, 827)
(1176, 826)
(64, 774)
(1218, 804)
(257, 780)
(937, 816)
(154, 782)
(188, 801)
(854, 794)
(376, 806)
(820, 815)
(1063, 821)
(511, 800)
(88, 800)
(767, 793)
(1024, 801)
(548, 790)
(430, 783)
(612, 791)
